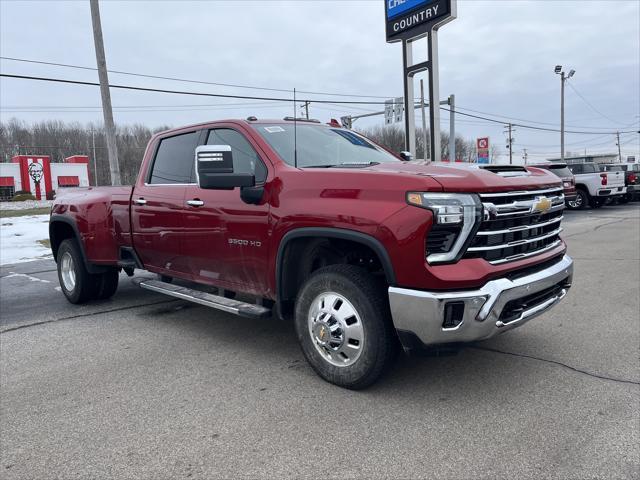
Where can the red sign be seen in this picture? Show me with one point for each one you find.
(482, 143)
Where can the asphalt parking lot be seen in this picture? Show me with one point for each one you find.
(142, 386)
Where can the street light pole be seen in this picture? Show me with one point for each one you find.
(563, 78)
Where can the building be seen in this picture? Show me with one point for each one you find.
(592, 158)
(37, 175)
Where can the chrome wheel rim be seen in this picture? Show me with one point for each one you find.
(577, 202)
(336, 329)
(68, 272)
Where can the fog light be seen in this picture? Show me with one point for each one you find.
(453, 315)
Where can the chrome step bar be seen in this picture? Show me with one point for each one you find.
(228, 305)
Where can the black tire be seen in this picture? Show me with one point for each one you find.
(84, 285)
(369, 299)
(107, 284)
(581, 201)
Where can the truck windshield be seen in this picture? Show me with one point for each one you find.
(321, 146)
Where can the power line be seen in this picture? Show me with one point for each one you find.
(185, 80)
(181, 92)
(530, 127)
(526, 120)
(594, 108)
(93, 107)
(247, 97)
(128, 110)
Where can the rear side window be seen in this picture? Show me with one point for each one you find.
(576, 169)
(174, 159)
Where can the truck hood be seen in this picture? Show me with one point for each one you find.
(472, 177)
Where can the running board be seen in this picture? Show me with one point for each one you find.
(228, 305)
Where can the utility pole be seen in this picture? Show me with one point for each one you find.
(424, 121)
(452, 128)
(525, 155)
(306, 108)
(110, 129)
(510, 142)
(95, 161)
(618, 143)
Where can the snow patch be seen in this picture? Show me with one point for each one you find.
(26, 205)
(19, 239)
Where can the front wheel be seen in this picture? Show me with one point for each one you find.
(344, 326)
(580, 202)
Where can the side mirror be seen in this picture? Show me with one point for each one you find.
(214, 169)
(406, 156)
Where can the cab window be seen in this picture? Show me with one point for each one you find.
(174, 159)
(245, 158)
(576, 169)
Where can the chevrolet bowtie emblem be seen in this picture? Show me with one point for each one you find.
(541, 205)
(322, 333)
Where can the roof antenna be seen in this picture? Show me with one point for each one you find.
(295, 132)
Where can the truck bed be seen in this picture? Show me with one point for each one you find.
(102, 218)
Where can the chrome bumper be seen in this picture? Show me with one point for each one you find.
(421, 314)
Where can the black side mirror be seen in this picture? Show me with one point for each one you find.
(214, 169)
(406, 156)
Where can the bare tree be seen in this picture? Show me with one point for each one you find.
(392, 137)
(60, 140)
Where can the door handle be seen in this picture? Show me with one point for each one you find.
(195, 203)
(140, 201)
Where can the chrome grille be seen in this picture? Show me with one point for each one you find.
(518, 225)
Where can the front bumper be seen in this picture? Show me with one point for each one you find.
(425, 318)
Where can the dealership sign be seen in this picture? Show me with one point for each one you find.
(408, 19)
(482, 147)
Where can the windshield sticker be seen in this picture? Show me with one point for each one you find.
(353, 138)
(274, 129)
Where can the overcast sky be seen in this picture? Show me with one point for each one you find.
(497, 57)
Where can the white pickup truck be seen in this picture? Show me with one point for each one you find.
(594, 187)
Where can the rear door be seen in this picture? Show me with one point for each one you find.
(226, 238)
(157, 206)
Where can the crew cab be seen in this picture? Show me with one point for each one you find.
(631, 178)
(594, 187)
(318, 225)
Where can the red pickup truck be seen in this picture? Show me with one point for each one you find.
(364, 252)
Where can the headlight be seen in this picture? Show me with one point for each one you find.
(456, 216)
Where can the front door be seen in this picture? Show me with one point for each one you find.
(158, 205)
(226, 238)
